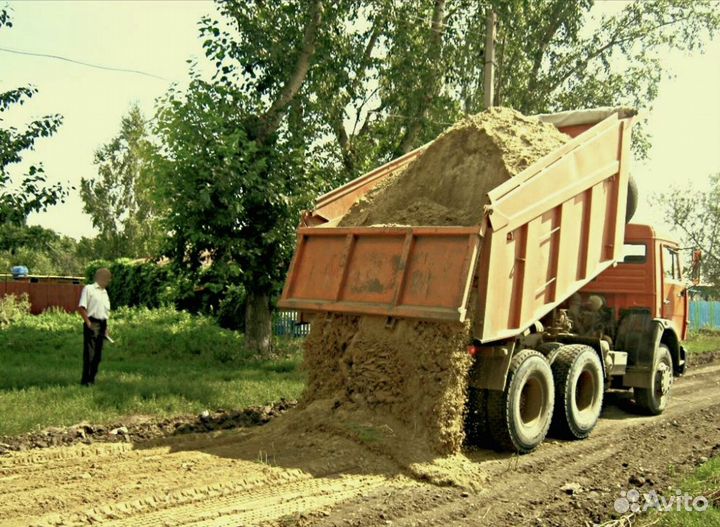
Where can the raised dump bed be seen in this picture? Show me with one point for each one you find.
(532, 287)
(545, 233)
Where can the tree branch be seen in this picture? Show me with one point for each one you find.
(271, 118)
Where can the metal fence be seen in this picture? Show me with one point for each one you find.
(704, 314)
(44, 291)
(285, 324)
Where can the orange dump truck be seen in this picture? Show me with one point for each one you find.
(565, 299)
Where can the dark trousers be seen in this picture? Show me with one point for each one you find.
(93, 340)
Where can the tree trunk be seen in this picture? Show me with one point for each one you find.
(258, 323)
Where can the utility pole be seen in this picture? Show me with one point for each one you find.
(489, 81)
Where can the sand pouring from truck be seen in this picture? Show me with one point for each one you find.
(564, 297)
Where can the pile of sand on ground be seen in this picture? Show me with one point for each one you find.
(415, 371)
(400, 391)
(448, 183)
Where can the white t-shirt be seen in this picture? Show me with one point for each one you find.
(96, 301)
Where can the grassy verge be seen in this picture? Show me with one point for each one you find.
(163, 363)
(703, 341)
(705, 481)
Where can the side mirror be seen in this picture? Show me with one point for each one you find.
(696, 265)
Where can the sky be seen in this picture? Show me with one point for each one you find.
(158, 37)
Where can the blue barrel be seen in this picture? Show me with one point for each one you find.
(19, 271)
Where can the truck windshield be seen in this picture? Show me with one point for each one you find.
(634, 253)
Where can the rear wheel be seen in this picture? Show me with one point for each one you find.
(519, 417)
(654, 400)
(579, 388)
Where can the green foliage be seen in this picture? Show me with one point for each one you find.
(13, 308)
(121, 199)
(703, 341)
(29, 192)
(306, 94)
(163, 363)
(704, 481)
(135, 283)
(401, 72)
(42, 251)
(695, 215)
(238, 156)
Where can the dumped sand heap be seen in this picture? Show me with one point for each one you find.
(448, 183)
(415, 371)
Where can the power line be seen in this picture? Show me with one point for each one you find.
(97, 66)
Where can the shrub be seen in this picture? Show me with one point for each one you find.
(135, 283)
(139, 283)
(13, 308)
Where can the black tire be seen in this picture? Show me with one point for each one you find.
(654, 400)
(477, 430)
(519, 416)
(632, 199)
(579, 389)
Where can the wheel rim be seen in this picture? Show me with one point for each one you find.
(532, 402)
(663, 380)
(585, 390)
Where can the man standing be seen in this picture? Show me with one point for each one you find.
(94, 308)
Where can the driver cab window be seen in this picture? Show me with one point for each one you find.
(634, 253)
(671, 263)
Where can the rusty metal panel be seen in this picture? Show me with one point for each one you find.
(45, 292)
(416, 272)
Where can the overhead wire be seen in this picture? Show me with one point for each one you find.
(82, 63)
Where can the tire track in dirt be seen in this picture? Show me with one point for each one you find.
(217, 479)
(525, 490)
(206, 480)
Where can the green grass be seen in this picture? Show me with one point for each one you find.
(702, 482)
(163, 363)
(703, 341)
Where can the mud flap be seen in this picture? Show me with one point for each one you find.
(681, 366)
(490, 369)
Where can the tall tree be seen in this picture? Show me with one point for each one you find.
(121, 200)
(417, 66)
(29, 191)
(695, 216)
(239, 152)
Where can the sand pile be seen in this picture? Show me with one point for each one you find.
(414, 371)
(400, 391)
(448, 183)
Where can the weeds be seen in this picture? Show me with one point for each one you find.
(13, 308)
(163, 363)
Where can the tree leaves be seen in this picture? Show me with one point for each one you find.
(28, 192)
(122, 200)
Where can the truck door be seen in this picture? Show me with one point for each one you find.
(674, 295)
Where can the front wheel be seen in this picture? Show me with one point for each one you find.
(519, 416)
(654, 400)
(579, 388)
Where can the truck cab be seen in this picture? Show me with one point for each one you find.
(647, 283)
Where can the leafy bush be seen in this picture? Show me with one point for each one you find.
(139, 283)
(13, 308)
(135, 282)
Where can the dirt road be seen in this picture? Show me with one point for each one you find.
(227, 479)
